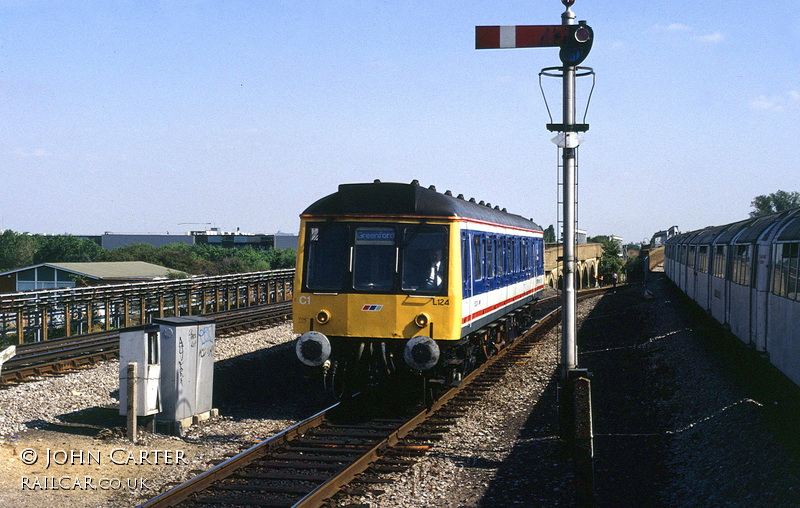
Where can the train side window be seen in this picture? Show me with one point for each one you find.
(702, 259)
(740, 273)
(719, 261)
(512, 267)
(489, 257)
(327, 254)
(775, 285)
(785, 271)
(477, 258)
(501, 256)
(540, 256)
(690, 260)
(529, 255)
(524, 255)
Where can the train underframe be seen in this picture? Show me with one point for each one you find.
(374, 363)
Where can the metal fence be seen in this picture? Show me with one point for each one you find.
(34, 316)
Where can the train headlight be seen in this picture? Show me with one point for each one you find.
(421, 353)
(323, 316)
(313, 349)
(422, 320)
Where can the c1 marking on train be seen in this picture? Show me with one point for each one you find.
(371, 308)
(305, 300)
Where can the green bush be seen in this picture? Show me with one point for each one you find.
(18, 250)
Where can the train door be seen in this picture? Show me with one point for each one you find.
(691, 272)
(514, 257)
(726, 293)
(466, 265)
(478, 287)
(502, 268)
(718, 283)
(684, 270)
(759, 290)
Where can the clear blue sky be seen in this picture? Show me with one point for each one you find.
(141, 116)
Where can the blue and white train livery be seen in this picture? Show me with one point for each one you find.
(397, 277)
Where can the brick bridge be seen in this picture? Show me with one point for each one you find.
(587, 269)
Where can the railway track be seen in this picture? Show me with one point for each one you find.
(61, 355)
(315, 459)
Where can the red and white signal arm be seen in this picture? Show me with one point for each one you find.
(519, 36)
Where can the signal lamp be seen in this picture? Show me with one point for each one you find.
(577, 44)
(422, 320)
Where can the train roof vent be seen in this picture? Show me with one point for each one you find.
(481, 203)
(376, 181)
(471, 200)
(448, 193)
(489, 205)
(415, 182)
(432, 187)
(497, 207)
(460, 196)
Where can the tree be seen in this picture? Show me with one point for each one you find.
(17, 250)
(550, 234)
(132, 252)
(610, 261)
(282, 258)
(66, 249)
(775, 202)
(20, 249)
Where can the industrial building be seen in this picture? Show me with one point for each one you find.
(233, 240)
(66, 275)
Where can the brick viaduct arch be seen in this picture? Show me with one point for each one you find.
(588, 265)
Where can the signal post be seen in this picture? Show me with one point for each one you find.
(575, 42)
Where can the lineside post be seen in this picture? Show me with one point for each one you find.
(132, 402)
(575, 42)
(569, 324)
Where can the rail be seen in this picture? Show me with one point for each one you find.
(311, 461)
(55, 356)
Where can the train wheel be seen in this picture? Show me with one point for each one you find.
(491, 345)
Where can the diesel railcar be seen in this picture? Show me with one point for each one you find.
(745, 275)
(398, 278)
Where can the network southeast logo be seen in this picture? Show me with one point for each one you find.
(371, 308)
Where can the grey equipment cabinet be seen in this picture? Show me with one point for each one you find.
(140, 344)
(187, 361)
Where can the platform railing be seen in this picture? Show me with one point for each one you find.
(34, 316)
